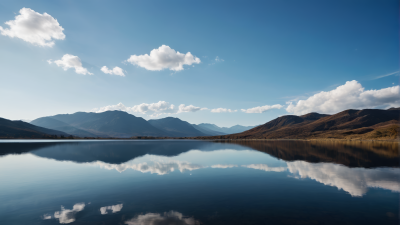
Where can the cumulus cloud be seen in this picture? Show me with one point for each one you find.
(66, 215)
(115, 71)
(171, 217)
(153, 167)
(222, 166)
(152, 109)
(355, 181)
(163, 58)
(71, 61)
(351, 95)
(265, 167)
(261, 109)
(112, 208)
(189, 108)
(35, 28)
(222, 110)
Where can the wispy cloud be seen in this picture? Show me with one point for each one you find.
(386, 75)
(261, 109)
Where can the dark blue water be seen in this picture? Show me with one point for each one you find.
(197, 182)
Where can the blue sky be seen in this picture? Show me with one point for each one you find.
(269, 53)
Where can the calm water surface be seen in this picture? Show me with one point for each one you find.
(198, 182)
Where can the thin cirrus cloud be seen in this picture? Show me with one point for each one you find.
(35, 28)
(351, 95)
(261, 109)
(152, 109)
(163, 58)
(70, 61)
(389, 74)
(222, 110)
(115, 71)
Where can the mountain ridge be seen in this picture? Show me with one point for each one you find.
(351, 123)
(9, 128)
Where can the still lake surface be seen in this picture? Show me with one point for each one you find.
(159, 182)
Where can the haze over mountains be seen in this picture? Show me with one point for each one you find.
(119, 124)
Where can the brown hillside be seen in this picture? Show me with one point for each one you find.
(362, 124)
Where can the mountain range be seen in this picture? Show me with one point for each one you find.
(365, 124)
(119, 124)
(16, 129)
(361, 124)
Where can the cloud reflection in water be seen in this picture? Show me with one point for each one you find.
(66, 215)
(265, 167)
(355, 181)
(113, 208)
(157, 167)
(167, 218)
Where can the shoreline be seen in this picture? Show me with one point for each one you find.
(211, 139)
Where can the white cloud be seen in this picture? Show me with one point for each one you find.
(222, 110)
(38, 29)
(171, 217)
(164, 58)
(351, 95)
(355, 181)
(115, 71)
(158, 108)
(66, 215)
(261, 109)
(265, 167)
(71, 61)
(154, 167)
(222, 166)
(113, 208)
(189, 108)
(152, 109)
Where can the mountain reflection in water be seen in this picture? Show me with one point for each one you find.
(241, 182)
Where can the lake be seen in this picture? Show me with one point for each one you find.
(156, 182)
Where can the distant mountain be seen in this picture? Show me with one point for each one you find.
(20, 129)
(367, 123)
(51, 123)
(176, 127)
(106, 124)
(225, 130)
(207, 131)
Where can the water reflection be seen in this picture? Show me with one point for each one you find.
(355, 181)
(66, 215)
(112, 209)
(167, 218)
(160, 167)
(366, 154)
(139, 182)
